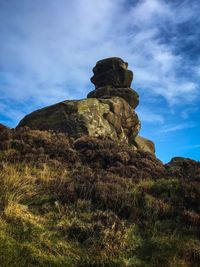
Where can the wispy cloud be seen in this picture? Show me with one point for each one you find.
(53, 43)
(186, 113)
(146, 115)
(191, 146)
(178, 127)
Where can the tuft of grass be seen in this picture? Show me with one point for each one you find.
(16, 185)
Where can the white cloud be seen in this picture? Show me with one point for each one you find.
(187, 112)
(191, 147)
(48, 49)
(147, 11)
(146, 115)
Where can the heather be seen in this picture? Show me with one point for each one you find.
(94, 202)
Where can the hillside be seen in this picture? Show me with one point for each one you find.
(89, 201)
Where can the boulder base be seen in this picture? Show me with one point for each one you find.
(128, 94)
(113, 118)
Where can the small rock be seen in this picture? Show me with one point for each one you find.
(144, 144)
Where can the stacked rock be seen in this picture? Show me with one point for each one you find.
(112, 78)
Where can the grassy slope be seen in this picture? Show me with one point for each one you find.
(91, 202)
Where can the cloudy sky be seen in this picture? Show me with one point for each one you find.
(48, 49)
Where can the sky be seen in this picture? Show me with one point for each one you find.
(48, 49)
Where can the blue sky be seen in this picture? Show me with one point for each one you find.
(48, 49)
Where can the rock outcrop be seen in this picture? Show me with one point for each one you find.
(184, 167)
(108, 112)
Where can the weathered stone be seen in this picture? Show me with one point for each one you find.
(112, 71)
(144, 144)
(122, 117)
(128, 94)
(92, 117)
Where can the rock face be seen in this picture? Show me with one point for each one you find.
(108, 112)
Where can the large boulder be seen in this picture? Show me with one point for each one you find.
(113, 118)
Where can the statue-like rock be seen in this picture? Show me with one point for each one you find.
(112, 78)
(112, 118)
(112, 71)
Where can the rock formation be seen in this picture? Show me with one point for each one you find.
(112, 78)
(108, 112)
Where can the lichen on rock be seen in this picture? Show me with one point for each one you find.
(112, 118)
